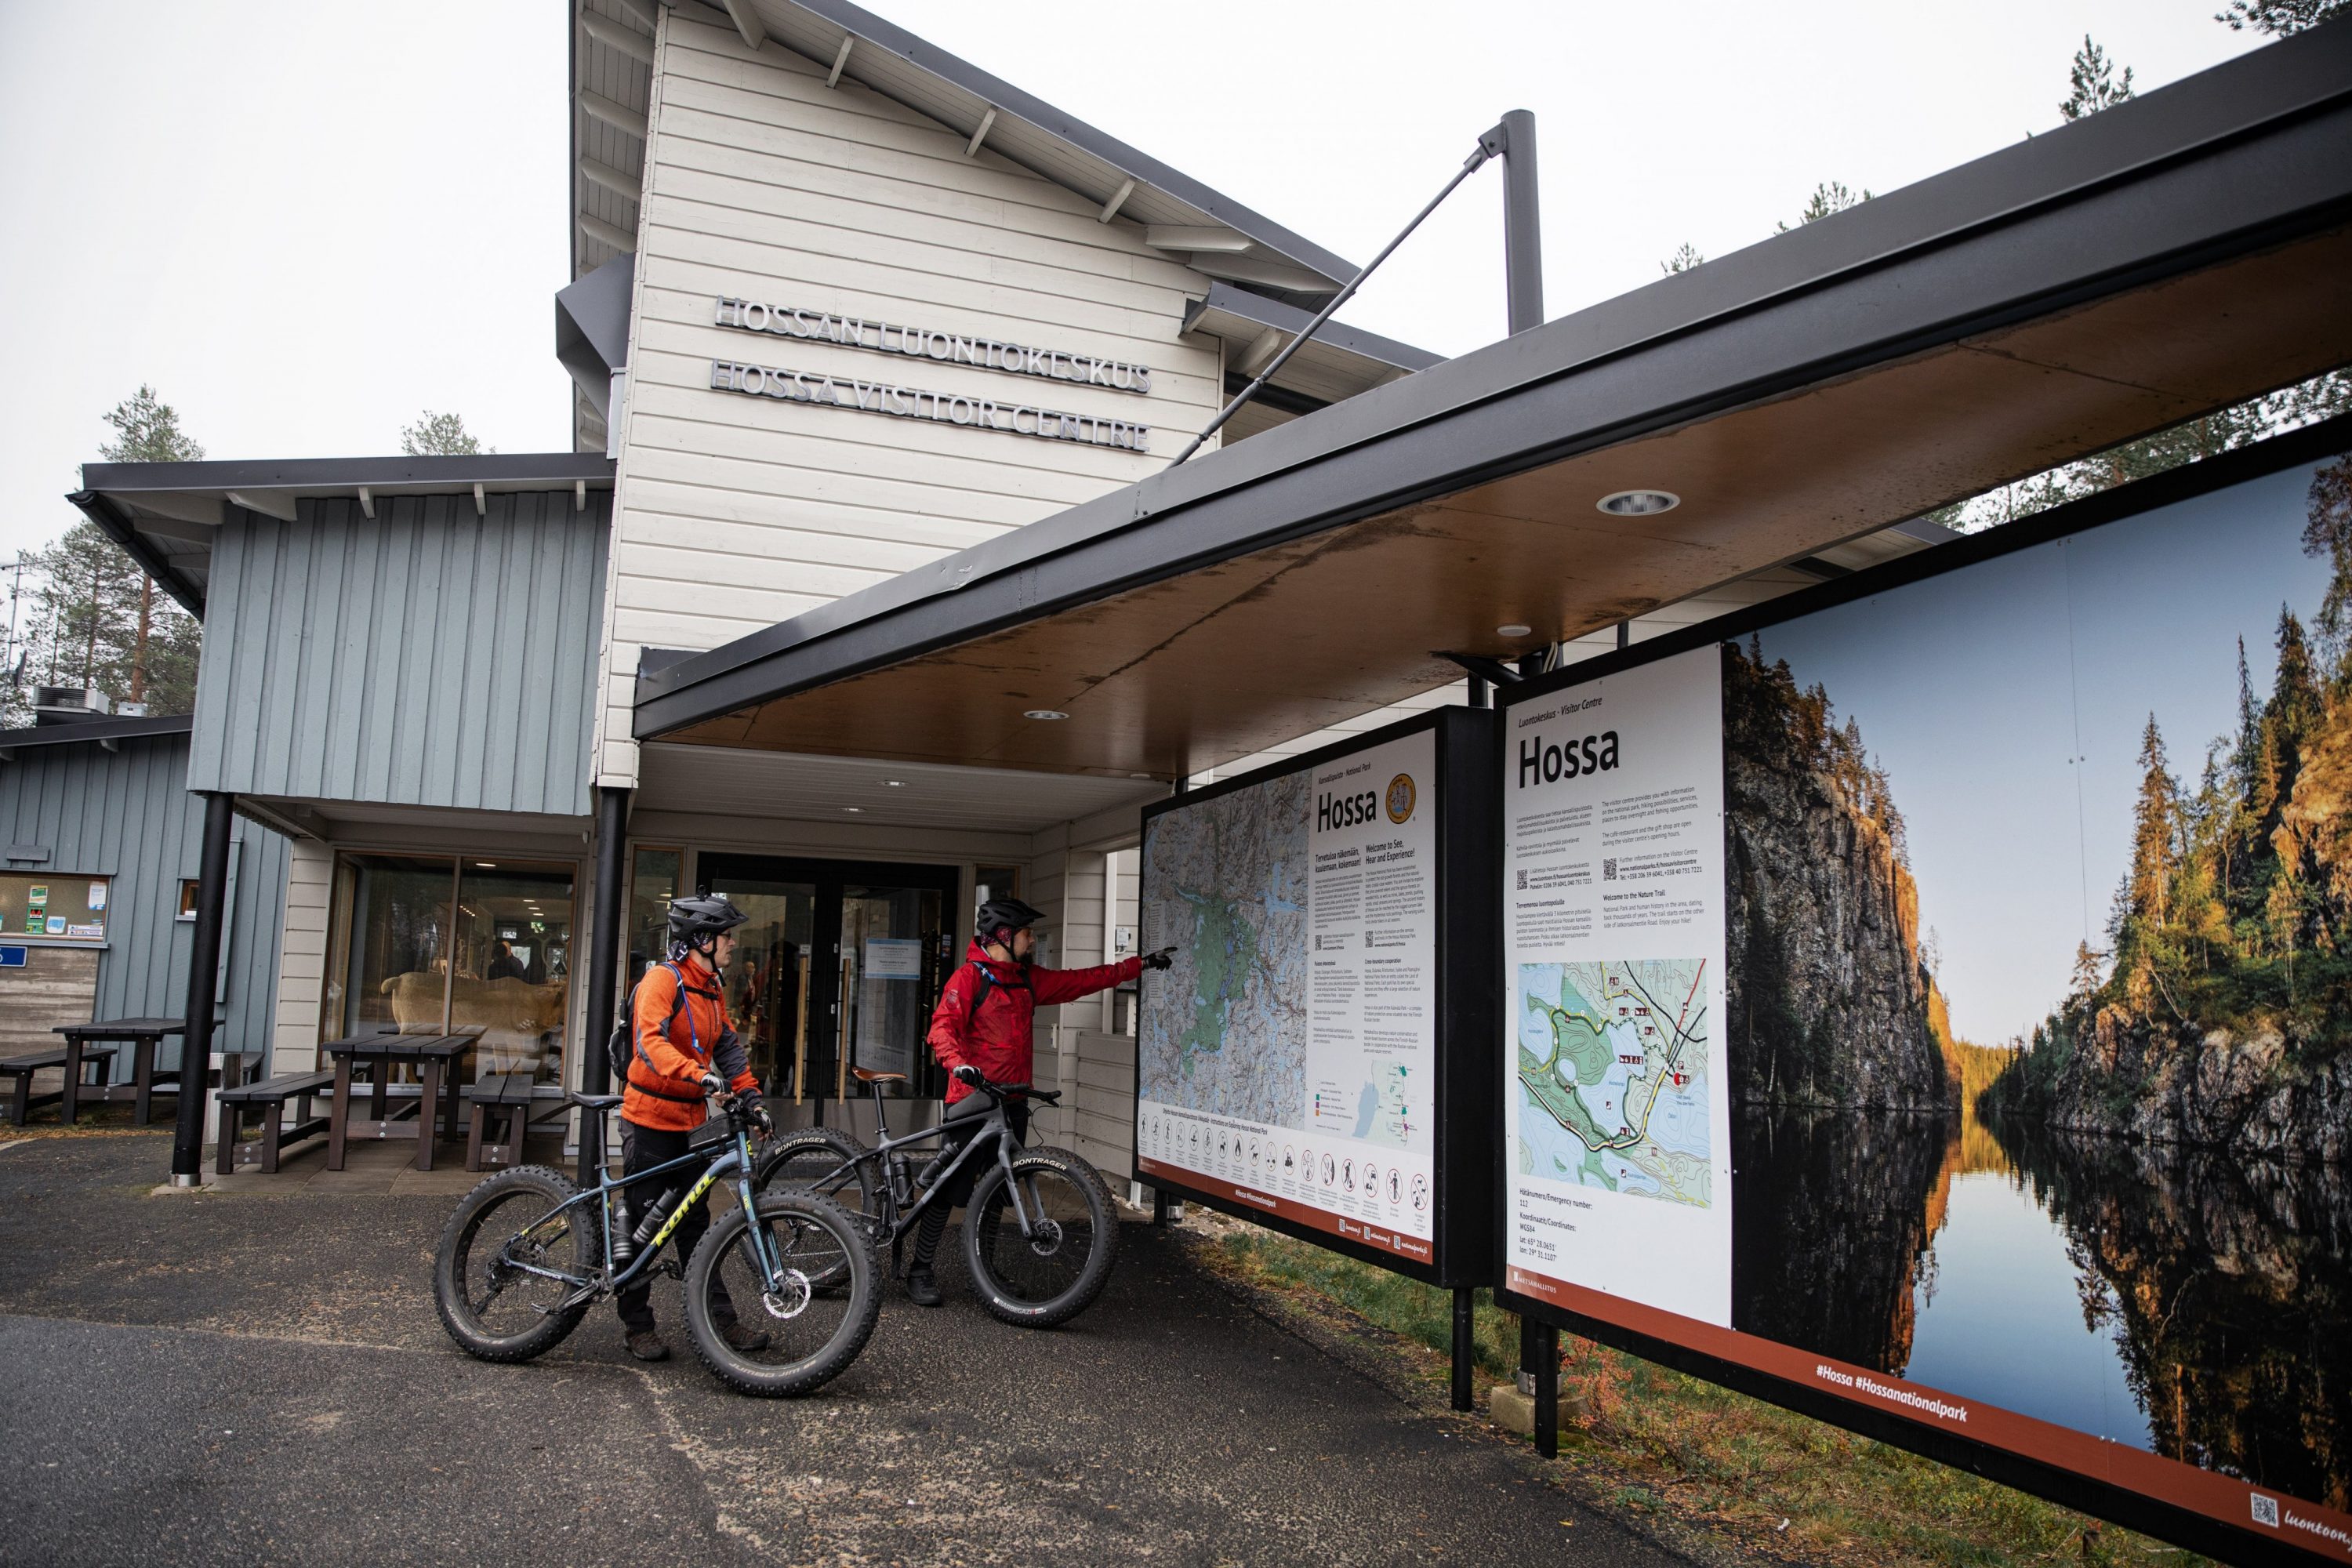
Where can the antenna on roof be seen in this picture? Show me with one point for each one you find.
(1513, 139)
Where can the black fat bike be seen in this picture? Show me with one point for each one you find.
(527, 1252)
(1039, 1233)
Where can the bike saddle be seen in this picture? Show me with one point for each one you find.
(591, 1102)
(867, 1075)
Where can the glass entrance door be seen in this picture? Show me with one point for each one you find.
(839, 966)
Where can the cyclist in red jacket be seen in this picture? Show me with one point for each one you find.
(982, 1029)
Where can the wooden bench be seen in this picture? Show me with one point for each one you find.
(270, 1099)
(23, 1102)
(507, 1096)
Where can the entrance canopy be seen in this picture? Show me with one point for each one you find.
(2159, 260)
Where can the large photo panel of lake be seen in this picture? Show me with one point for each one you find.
(2039, 988)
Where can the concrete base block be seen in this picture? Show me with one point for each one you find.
(1513, 1411)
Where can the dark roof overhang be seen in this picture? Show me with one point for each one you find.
(2172, 256)
(94, 730)
(164, 514)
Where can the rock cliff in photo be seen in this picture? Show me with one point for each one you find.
(1830, 1002)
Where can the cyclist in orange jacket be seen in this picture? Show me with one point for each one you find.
(982, 1029)
(682, 1050)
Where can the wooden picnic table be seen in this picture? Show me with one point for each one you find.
(434, 1057)
(143, 1035)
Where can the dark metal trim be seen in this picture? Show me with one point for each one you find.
(1281, 399)
(89, 729)
(409, 475)
(108, 519)
(2252, 154)
(1235, 300)
(1011, 102)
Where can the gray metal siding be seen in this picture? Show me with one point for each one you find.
(128, 815)
(429, 657)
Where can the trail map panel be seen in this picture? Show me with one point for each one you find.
(1287, 1059)
(1613, 1066)
(1616, 1124)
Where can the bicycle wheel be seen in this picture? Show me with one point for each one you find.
(813, 1331)
(494, 1310)
(811, 1159)
(1045, 1279)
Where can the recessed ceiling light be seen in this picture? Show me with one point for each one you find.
(894, 784)
(1513, 630)
(488, 865)
(1638, 503)
(852, 808)
(1046, 713)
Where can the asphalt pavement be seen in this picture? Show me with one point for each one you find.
(259, 1377)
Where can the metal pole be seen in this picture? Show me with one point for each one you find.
(1522, 222)
(1465, 1349)
(605, 936)
(1482, 692)
(1163, 1210)
(1470, 165)
(1547, 1391)
(204, 977)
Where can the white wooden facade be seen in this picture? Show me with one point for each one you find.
(762, 182)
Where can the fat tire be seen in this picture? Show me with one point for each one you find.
(1091, 1279)
(865, 1290)
(462, 1231)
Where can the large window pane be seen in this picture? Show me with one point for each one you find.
(512, 951)
(768, 994)
(653, 883)
(895, 955)
(393, 950)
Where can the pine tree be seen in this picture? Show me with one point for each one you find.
(440, 436)
(96, 619)
(2282, 19)
(2092, 79)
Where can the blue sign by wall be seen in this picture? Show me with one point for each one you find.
(12, 957)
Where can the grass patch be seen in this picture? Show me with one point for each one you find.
(1661, 1441)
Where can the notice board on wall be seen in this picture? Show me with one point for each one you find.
(1923, 1006)
(1314, 1058)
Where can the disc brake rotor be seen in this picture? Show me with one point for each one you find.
(1047, 1238)
(793, 1300)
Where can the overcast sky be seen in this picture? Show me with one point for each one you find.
(304, 223)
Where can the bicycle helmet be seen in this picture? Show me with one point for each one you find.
(695, 923)
(999, 917)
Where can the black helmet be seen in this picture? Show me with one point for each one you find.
(1000, 918)
(693, 921)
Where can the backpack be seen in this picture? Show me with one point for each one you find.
(625, 1044)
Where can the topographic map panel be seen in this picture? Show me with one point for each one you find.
(1224, 1029)
(1612, 1077)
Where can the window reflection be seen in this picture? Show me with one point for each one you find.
(513, 952)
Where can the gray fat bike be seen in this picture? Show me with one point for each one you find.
(527, 1252)
(1039, 1233)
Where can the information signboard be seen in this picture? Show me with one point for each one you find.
(1315, 1057)
(1924, 1005)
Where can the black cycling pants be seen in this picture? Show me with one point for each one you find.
(642, 1148)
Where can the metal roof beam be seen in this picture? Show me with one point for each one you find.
(609, 235)
(747, 22)
(113, 522)
(613, 36)
(620, 183)
(619, 116)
